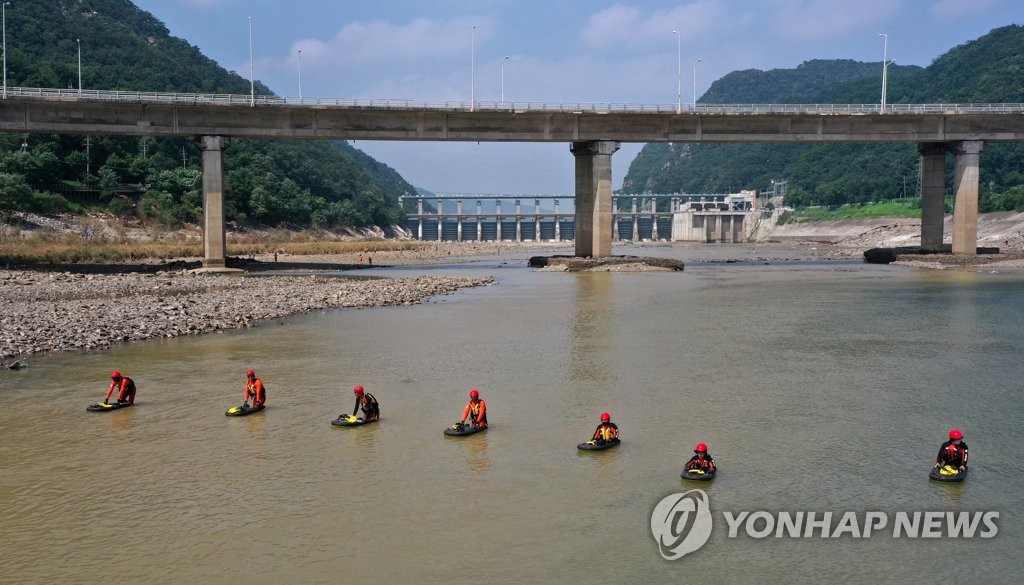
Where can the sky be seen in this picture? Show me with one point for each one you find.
(553, 52)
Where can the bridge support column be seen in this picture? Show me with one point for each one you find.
(933, 193)
(965, 207)
(636, 223)
(558, 221)
(536, 220)
(594, 197)
(419, 224)
(497, 226)
(214, 247)
(519, 222)
(479, 222)
(615, 221)
(458, 217)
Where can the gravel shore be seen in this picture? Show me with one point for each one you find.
(56, 311)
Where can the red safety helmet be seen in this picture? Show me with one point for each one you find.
(955, 434)
(700, 448)
(358, 390)
(605, 417)
(116, 375)
(474, 393)
(250, 374)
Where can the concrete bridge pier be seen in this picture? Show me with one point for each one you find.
(965, 207)
(458, 219)
(519, 222)
(558, 221)
(933, 193)
(594, 197)
(479, 222)
(615, 224)
(214, 246)
(536, 220)
(636, 223)
(497, 226)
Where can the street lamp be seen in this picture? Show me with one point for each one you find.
(503, 80)
(300, 76)
(79, 41)
(699, 59)
(252, 82)
(4, 10)
(472, 69)
(679, 71)
(885, 67)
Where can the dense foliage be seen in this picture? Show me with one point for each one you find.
(124, 48)
(987, 70)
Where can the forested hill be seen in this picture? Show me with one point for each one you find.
(125, 48)
(989, 69)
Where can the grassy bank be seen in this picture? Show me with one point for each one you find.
(910, 208)
(75, 249)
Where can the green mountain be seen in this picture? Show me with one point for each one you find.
(125, 48)
(989, 69)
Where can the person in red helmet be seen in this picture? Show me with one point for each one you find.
(606, 431)
(701, 459)
(255, 390)
(366, 402)
(125, 389)
(476, 410)
(953, 452)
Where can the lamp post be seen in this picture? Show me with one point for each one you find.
(472, 69)
(699, 59)
(679, 71)
(79, 41)
(503, 80)
(885, 67)
(252, 82)
(4, 10)
(300, 76)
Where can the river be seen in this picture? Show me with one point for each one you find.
(819, 387)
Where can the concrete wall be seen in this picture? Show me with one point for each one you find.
(722, 227)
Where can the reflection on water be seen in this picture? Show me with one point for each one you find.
(591, 358)
(475, 446)
(818, 387)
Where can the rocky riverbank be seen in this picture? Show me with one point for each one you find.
(57, 311)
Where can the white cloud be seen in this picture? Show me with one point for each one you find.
(952, 9)
(628, 25)
(817, 20)
(379, 41)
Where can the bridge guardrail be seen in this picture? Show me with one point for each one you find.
(493, 106)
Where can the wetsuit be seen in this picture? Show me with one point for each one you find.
(371, 410)
(950, 454)
(478, 410)
(707, 464)
(606, 431)
(254, 389)
(126, 390)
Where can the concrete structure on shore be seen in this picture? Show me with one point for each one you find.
(593, 132)
(676, 217)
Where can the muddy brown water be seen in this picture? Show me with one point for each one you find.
(818, 386)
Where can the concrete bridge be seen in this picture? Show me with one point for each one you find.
(593, 132)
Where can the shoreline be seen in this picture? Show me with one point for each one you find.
(52, 308)
(62, 311)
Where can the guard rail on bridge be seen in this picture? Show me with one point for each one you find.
(506, 106)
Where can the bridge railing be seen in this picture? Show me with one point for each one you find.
(94, 95)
